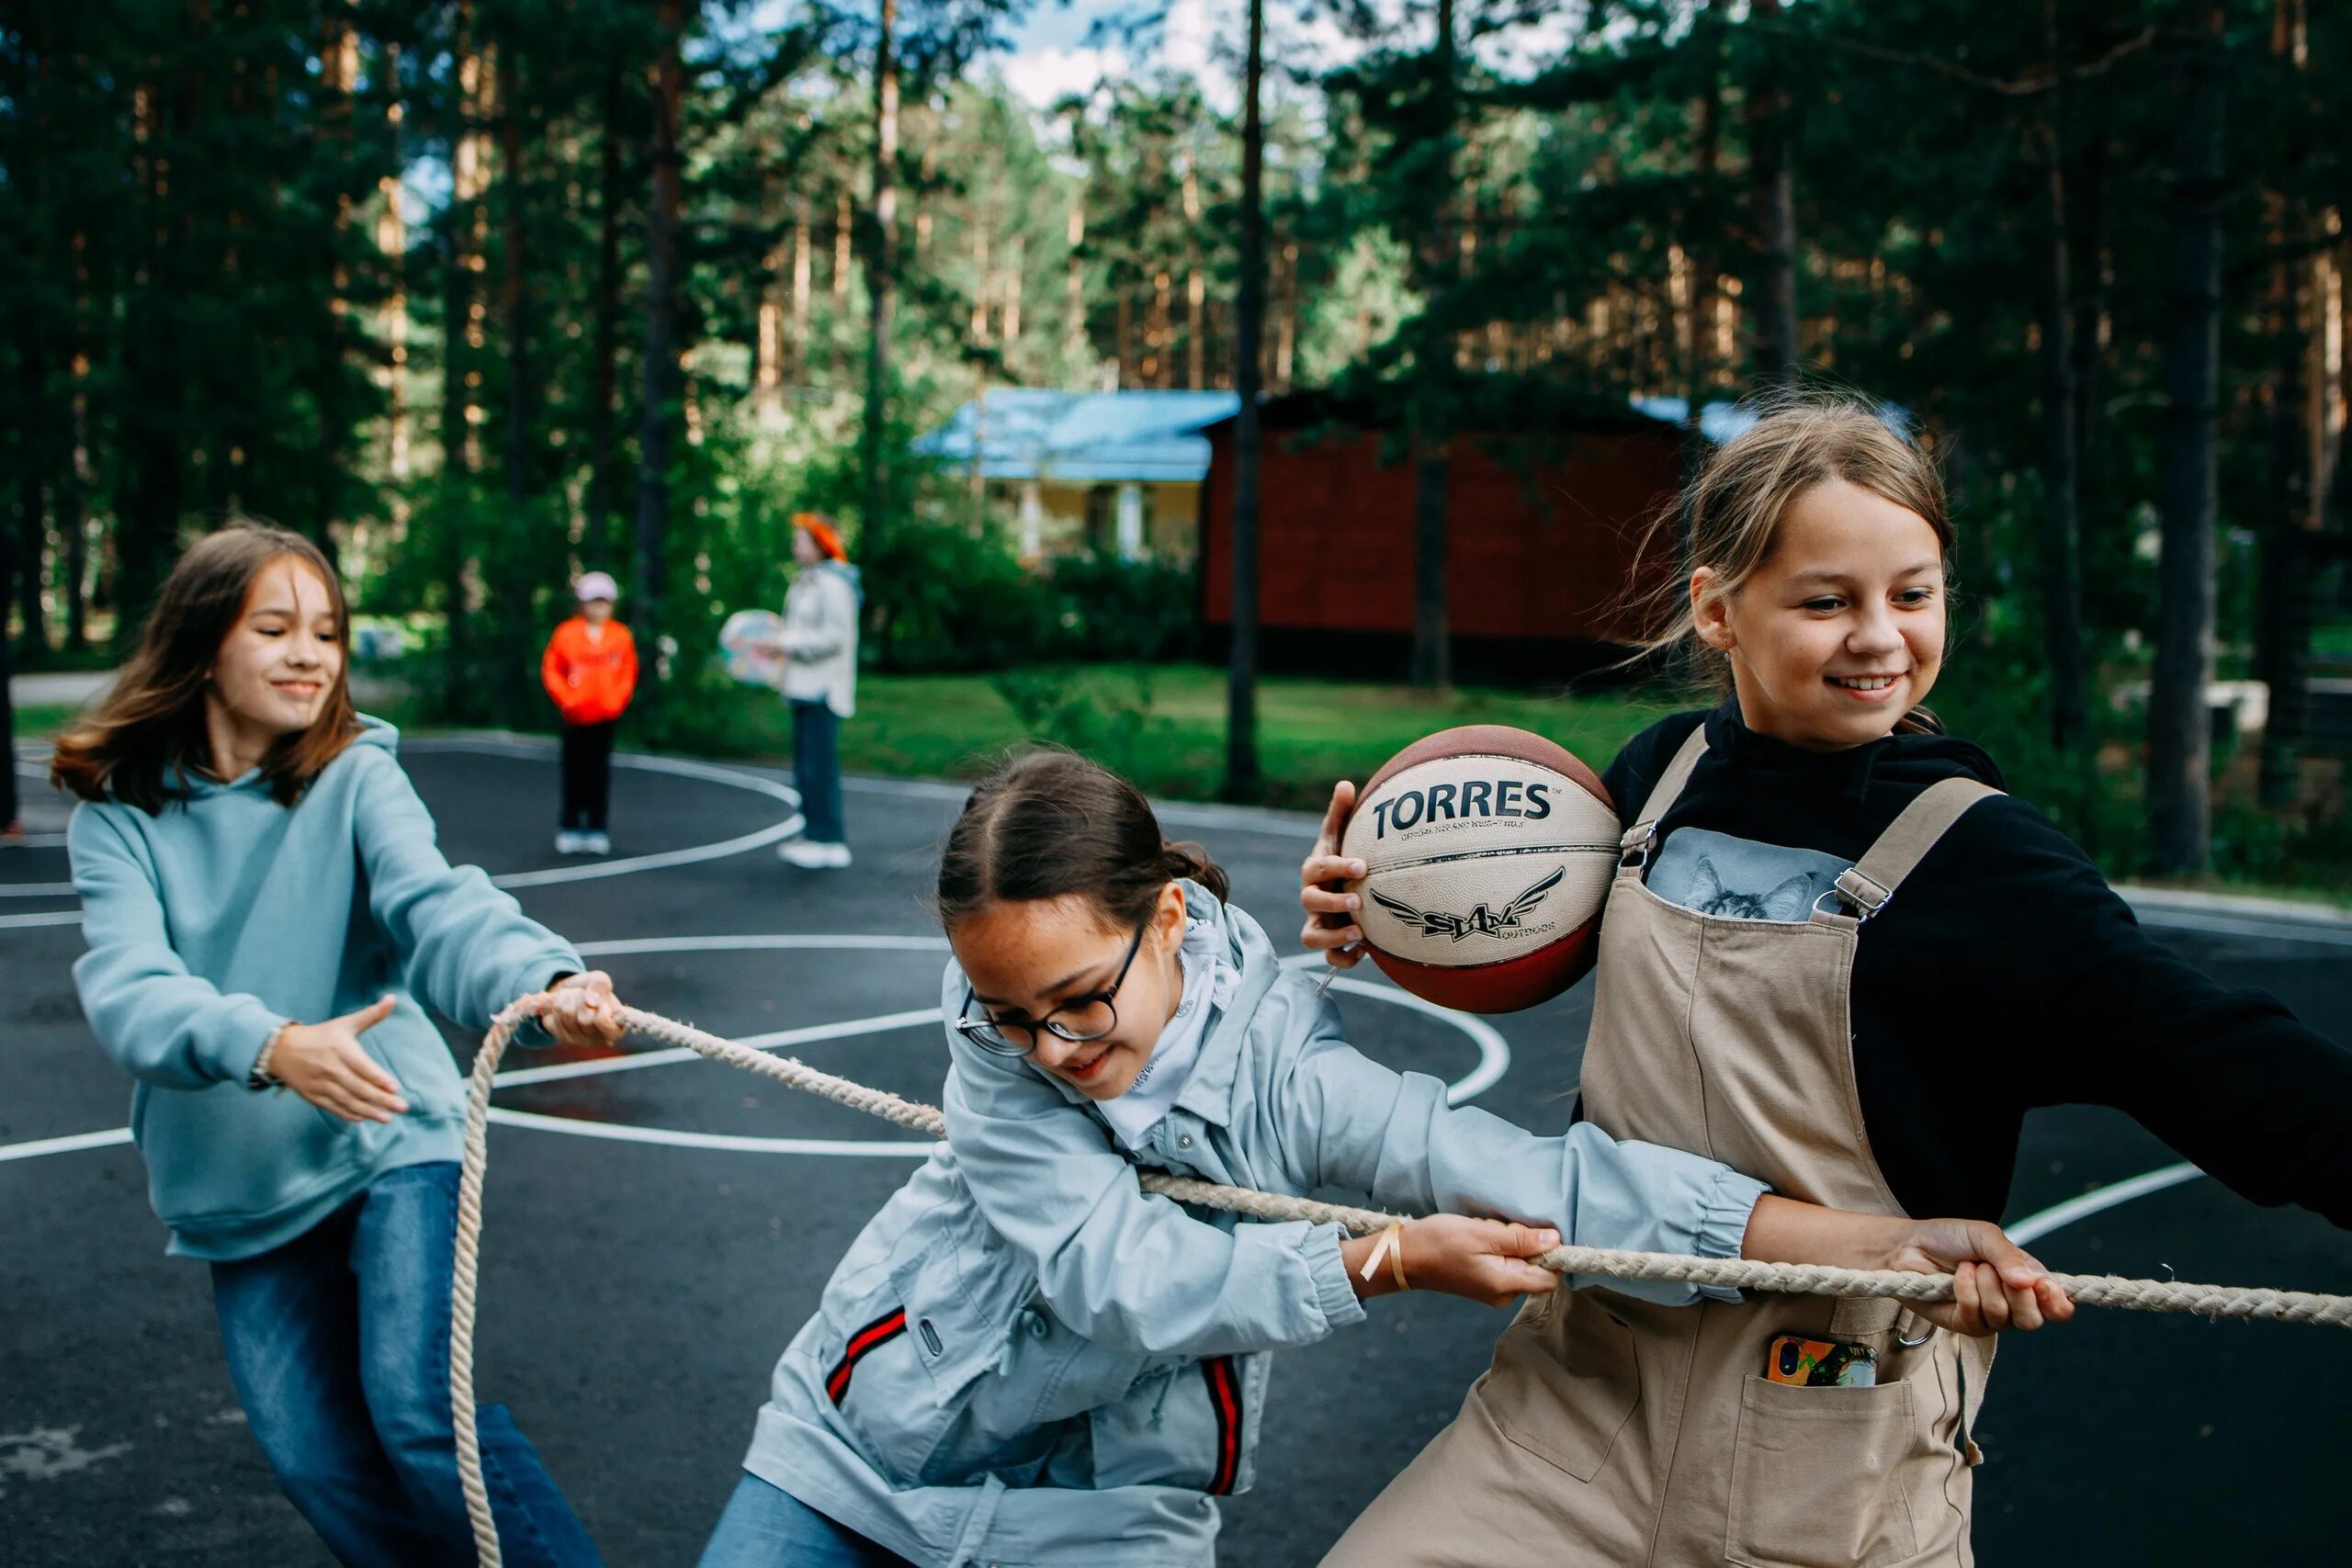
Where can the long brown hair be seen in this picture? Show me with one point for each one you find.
(1734, 505)
(1049, 823)
(150, 725)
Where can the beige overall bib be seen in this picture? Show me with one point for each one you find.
(1610, 1430)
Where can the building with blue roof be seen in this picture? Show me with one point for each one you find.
(1118, 472)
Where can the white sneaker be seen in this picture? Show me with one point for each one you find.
(566, 843)
(596, 843)
(839, 859)
(811, 856)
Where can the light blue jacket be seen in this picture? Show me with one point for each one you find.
(227, 915)
(1025, 1359)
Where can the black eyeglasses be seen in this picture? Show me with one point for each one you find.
(1079, 1019)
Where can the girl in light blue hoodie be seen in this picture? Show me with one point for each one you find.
(1025, 1359)
(267, 917)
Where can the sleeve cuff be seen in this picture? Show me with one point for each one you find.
(1723, 1223)
(539, 975)
(239, 1036)
(1333, 1290)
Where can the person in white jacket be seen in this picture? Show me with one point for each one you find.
(820, 643)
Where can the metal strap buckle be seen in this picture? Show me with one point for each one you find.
(1866, 894)
(1637, 843)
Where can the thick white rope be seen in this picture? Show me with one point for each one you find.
(2093, 1290)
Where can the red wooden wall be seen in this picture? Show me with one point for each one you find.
(1542, 531)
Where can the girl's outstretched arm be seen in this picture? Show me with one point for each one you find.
(1347, 1121)
(467, 949)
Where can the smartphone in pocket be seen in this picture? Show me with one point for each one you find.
(1821, 1363)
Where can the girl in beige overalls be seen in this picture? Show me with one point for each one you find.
(1777, 1022)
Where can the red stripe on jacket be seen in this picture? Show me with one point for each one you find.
(881, 1331)
(1225, 1400)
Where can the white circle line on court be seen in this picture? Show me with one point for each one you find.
(1493, 1055)
(35, 889)
(2100, 1199)
(677, 767)
(49, 918)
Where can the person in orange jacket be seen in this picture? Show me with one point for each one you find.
(590, 670)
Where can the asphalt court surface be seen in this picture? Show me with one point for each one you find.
(648, 1256)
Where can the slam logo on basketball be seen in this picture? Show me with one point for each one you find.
(1480, 922)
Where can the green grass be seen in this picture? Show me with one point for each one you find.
(41, 721)
(1164, 726)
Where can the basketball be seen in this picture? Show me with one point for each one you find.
(746, 646)
(1488, 852)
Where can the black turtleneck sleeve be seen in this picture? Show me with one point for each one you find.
(2047, 976)
(2008, 976)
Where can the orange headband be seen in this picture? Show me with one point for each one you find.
(827, 537)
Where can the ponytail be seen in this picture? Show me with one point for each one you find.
(1050, 823)
(1189, 862)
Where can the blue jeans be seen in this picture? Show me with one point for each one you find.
(766, 1527)
(339, 1344)
(817, 770)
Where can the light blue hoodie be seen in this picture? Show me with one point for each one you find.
(226, 916)
(1025, 1359)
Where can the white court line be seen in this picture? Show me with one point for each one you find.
(598, 1066)
(678, 767)
(1493, 1055)
(619, 1131)
(65, 1146)
(53, 918)
(591, 872)
(2240, 925)
(2035, 1226)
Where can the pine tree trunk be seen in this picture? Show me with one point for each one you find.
(1432, 661)
(881, 259)
(513, 287)
(2179, 723)
(9, 824)
(459, 246)
(658, 430)
(1776, 221)
(604, 463)
(152, 446)
(1243, 781)
(2062, 570)
(2285, 604)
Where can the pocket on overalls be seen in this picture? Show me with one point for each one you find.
(1820, 1476)
(1565, 1381)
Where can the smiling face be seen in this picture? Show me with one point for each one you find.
(282, 657)
(1839, 632)
(1025, 958)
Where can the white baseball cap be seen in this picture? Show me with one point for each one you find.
(597, 585)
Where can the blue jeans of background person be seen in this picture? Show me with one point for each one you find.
(339, 1344)
(766, 1527)
(817, 770)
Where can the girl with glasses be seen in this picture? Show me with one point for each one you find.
(1027, 1358)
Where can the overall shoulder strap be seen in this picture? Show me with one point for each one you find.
(1916, 831)
(1664, 793)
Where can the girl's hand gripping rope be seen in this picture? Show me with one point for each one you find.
(1996, 1284)
(582, 1011)
(1488, 1261)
